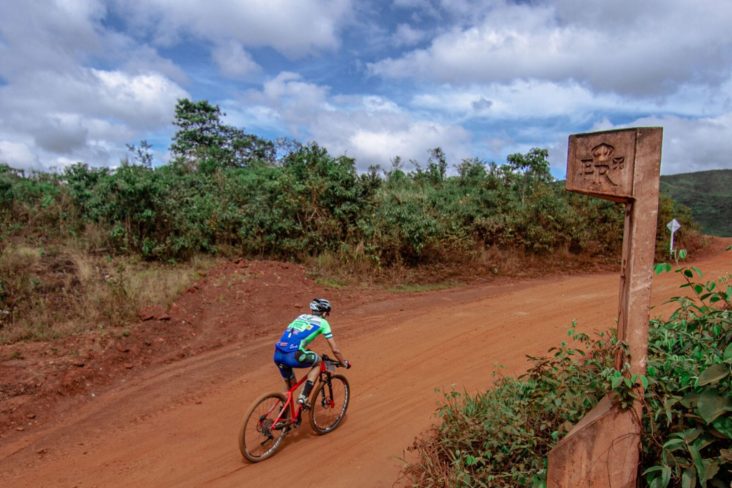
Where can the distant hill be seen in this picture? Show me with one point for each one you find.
(709, 196)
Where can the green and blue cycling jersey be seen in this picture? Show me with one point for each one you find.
(302, 331)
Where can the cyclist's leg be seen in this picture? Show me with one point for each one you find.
(314, 370)
(308, 359)
(285, 369)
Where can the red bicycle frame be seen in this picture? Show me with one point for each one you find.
(295, 413)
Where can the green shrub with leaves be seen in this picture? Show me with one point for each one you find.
(228, 191)
(501, 438)
(688, 428)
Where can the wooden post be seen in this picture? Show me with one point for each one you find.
(603, 449)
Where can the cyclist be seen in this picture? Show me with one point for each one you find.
(291, 350)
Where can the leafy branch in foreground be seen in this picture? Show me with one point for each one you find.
(688, 428)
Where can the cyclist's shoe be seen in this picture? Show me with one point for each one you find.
(303, 400)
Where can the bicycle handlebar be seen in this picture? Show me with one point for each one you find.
(335, 362)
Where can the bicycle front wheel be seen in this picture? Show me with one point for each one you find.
(329, 404)
(260, 437)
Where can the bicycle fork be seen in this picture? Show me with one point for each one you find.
(327, 400)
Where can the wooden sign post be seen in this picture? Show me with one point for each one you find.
(603, 449)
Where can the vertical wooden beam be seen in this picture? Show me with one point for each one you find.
(603, 449)
(642, 236)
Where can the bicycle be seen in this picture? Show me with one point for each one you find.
(273, 415)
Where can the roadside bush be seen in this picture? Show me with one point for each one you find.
(688, 428)
(228, 191)
(501, 438)
(402, 229)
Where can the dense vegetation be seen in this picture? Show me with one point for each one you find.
(226, 192)
(709, 196)
(501, 438)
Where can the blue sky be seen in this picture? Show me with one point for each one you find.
(80, 79)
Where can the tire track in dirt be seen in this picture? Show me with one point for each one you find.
(177, 425)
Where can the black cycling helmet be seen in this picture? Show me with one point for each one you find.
(320, 305)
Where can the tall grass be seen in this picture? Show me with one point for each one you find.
(51, 292)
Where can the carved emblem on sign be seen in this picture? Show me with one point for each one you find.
(602, 165)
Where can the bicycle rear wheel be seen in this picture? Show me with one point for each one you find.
(329, 404)
(259, 437)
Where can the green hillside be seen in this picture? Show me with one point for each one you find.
(709, 196)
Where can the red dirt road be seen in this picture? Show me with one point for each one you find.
(177, 424)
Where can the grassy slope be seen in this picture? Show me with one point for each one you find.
(709, 196)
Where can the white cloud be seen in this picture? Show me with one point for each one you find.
(62, 133)
(293, 27)
(234, 62)
(18, 154)
(421, 4)
(291, 90)
(536, 99)
(375, 129)
(56, 107)
(130, 57)
(84, 115)
(144, 100)
(411, 141)
(630, 49)
(291, 102)
(689, 145)
(58, 32)
(520, 99)
(80, 78)
(406, 35)
(371, 128)
(692, 144)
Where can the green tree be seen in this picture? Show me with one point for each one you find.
(6, 186)
(142, 153)
(204, 141)
(533, 165)
(199, 129)
(437, 165)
